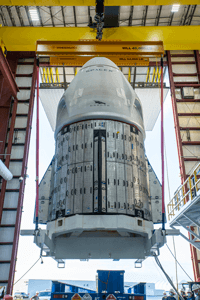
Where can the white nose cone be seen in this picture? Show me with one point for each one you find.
(100, 62)
(99, 91)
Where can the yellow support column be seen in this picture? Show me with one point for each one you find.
(195, 178)
(148, 75)
(51, 75)
(57, 76)
(48, 76)
(129, 74)
(190, 184)
(44, 76)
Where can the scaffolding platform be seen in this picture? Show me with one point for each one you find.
(184, 208)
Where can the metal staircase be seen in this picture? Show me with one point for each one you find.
(16, 157)
(184, 76)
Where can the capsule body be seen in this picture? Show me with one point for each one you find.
(99, 165)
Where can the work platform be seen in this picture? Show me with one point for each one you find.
(184, 208)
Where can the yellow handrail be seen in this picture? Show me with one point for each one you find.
(51, 75)
(148, 74)
(186, 192)
(129, 74)
(57, 76)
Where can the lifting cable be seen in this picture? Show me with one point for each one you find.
(28, 270)
(174, 255)
(179, 263)
(167, 276)
(169, 201)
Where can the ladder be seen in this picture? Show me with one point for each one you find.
(16, 149)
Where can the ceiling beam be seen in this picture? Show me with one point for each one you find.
(39, 14)
(10, 15)
(145, 11)
(192, 14)
(93, 2)
(63, 15)
(8, 75)
(185, 15)
(3, 17)
(158, 15)
(173, 37)
(51, 14)
(28, 16)
(131, 16)
(19, 15)
(171, 19)
(75, 16)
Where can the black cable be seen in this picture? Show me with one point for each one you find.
(27, 271)
(179, 263)
(167, 276)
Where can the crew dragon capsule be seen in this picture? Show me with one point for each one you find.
(99, 197)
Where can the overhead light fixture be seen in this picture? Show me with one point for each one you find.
(175, 7)
(34, 14)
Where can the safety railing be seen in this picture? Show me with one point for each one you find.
(50, 75)
(155, 76)
(186, 192)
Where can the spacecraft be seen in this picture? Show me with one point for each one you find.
(100, 197)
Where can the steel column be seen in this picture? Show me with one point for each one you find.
(179, 140)
(7, 74)
(37, 149)
(197, 58)
(176, 120)
(162, 151)
(5, 118)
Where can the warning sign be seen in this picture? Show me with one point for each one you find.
(111, 297)
(87, 297)
(76, 297)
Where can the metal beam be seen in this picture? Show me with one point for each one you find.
(158, 15)
(19, 15)
(131, 16)
(192, 14)
(171, 19)
(10, 15)
(185, 15)
(63, 15)
(173, 37)
(39, 14)
(3, 17)
(88, 14)
(51, 16)
(28, 16)
(75, 16)
(93, 2)
(7, 74)
(145, 15)
(134, 78)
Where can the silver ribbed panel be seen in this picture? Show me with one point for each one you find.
(119, 134)
(87, 181)
(78, 186)
(63, 185)
(80, 143)
(65, 149)
(121, 193)
(88, 185)
(96, 175)
(88, 138)
(111, 187)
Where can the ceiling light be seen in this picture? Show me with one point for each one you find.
(34, 14)
(175, 7)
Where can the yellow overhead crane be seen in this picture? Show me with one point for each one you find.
(173, 37)
(92, 2)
